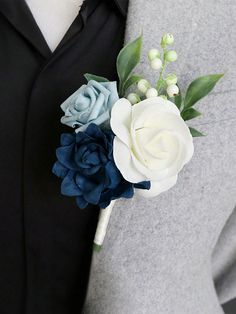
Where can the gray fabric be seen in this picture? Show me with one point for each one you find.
(224, 261)
(157, 255)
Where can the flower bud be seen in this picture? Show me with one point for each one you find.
(172, 90)
(167, 39)
(156, 64)
(151, 92)
(153, 53)
(171, 79)
(171, 56)
(143, 86)
(133, 98)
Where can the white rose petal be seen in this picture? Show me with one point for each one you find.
(157, 104)
(124, 162)
(121, 119)
(158, 187)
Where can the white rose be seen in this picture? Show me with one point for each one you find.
(152, 142)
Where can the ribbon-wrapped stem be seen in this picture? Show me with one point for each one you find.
(103, 221)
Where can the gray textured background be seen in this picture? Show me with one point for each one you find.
(157, 256)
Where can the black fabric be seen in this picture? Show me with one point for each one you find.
(45, 240)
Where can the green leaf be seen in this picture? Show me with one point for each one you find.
(190, 114)
(178, 100)
(96, 78)
(131, 80)
(127, 59)
(199, 88)
(195, 133)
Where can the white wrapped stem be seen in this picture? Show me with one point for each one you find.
(103, 221)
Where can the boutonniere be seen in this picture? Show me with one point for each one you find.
(128, 142)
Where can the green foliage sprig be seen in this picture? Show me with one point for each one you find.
(127, 60)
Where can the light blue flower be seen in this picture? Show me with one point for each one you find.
(91, 103)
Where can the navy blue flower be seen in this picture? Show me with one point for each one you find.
(88, 171)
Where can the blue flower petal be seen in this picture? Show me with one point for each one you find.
(86, 184)
(80, 201)
(94, 131)
(81, 137)
(94, 196)
(92, 159)
(98, 108)
(105, 204)
(113, 174)
(65, 155)
(69, 187)
(128, 192)
(124, 190)
(81, 151)
(67, 139)
(59, 170)
(103, 157)
(145, 185)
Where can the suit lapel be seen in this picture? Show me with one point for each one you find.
(122, 5)
(21, 18)
(19, 15)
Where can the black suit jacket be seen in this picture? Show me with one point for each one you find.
(45, 240)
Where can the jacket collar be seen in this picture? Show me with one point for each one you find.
(21, 18)
(19, 15)
(122, 6)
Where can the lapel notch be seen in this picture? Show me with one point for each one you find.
(19, 15)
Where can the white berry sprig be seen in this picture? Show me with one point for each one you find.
(165, 86)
